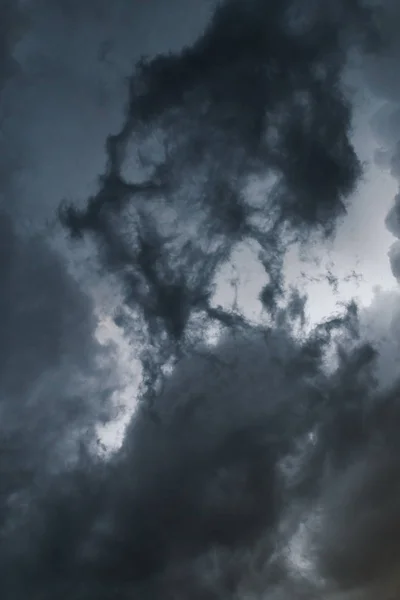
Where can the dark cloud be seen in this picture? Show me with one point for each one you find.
(381, 75)
(257, 97)
(265, 466)
(261, 475)
(56, 378)
(381, 325)
(12, 27)
(72, 59)
(56, 385)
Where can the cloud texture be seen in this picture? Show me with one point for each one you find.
(264, 466)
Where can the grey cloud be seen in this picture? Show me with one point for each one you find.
(256, 470)
(380, 324)
(72, 60)
(12, 27)
(257, 473)
(257, 95)
(381, 76)
(53, 371)
(56, 384)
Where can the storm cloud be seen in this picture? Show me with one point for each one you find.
(260, 465)
(381, 76)
(256, 100)
(248, 481)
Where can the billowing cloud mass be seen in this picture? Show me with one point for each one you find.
(262, 465)
(382, 77)
(56, 379)
(244, 105)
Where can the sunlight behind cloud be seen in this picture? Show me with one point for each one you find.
(125, 398)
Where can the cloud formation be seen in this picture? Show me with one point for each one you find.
(247, 482)
(256, 99)
(265, 466)
(56, 379)
(381, 76)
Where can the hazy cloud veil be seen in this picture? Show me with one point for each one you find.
(264, 464)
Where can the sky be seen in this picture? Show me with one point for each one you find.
(199, 303)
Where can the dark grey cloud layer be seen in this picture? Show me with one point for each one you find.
(265, 467)
(56, 379)
(73, 58)
(250, 481)
(250, 99)
(56, 386)
(381, 74)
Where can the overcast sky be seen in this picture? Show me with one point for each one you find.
(175, 173)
